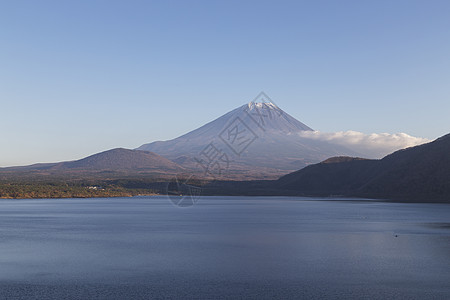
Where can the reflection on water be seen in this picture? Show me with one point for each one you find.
(224, 247)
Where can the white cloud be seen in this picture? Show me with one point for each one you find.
(374, 145)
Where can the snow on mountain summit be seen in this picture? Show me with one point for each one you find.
(262, 105)
(268, 116)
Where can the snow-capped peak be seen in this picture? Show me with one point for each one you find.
(261, 105)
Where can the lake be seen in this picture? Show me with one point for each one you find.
(223, 247)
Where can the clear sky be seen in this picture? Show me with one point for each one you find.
(79, 77)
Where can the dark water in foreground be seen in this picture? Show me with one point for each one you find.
(224, 247)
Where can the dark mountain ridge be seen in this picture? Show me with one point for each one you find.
(418, 173)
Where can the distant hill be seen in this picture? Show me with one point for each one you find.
(420, 173)
(115, 161)
(121, 159)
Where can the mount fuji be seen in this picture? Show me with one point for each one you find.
(256, 140)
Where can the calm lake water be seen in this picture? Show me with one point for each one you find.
(223, 247)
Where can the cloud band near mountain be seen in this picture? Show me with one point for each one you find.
(376, 145)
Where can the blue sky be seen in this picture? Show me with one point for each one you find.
(79, 77)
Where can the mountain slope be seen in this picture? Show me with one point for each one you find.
(253, 136)
(420, 173)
